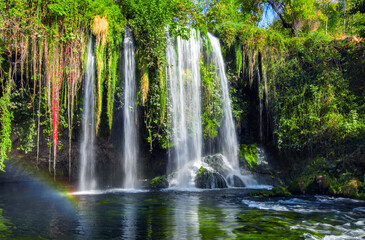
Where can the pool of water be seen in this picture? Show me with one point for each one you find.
(34, 211)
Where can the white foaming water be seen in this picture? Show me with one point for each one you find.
(228, 138)
(87, 179)
(183, 84)
(130, 114)
(108, 191)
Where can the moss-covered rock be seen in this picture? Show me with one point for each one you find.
(248, 153)
(297, 187)
(350, 189)
(216, 162)
(319, 185)
(208, 179)
(159, 182)
(279, 191)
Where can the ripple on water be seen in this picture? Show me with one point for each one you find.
(112, 190)
(321, 217)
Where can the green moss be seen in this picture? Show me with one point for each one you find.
(249, 154)
(159, 182)
(258, 224)
(202, 170)
(275, 192)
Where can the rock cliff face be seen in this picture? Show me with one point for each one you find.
(108, 159)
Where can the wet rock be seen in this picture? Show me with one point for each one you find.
(159, 182)
(216, 162)
(350, 189)
(209, 179)
(236, 181)
(275, 192)
(297, 187)
(319, 185)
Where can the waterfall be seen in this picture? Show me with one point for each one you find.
(183, 83)
(259, 92)
(130, 114)
(227, 137)
(264, 73)
(87, 179)
(184, 106)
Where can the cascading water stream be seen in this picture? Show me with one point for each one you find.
(228, 139)
(264, 73)
(130, 114)
(184, 106)
(183, 81)
(87, 179)
(259, 92)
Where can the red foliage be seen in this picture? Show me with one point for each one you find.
(56, 86)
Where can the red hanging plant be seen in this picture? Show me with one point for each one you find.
(56, 87)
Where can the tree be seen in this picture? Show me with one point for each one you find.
(294, 13)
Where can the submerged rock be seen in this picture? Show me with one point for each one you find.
(209, 179)
(159, 182)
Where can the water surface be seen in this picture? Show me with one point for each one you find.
(32, 210)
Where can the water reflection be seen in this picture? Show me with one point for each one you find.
(31, 210)
(185, 217)
(27, 211)
(6, 226)
(129, 220)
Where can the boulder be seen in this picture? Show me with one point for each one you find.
(216, 162)
(159, 182)
(350, 189)
(319, 185)
(236, 181)
(209, 179)
(297, 187)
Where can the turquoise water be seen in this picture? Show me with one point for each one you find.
(31, 210)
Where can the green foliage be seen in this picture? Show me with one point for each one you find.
(26, 134)
(212, 112)
(156, 127)
(25, 130)
(315, 105)
(239, 58)
(201, 171)
(112, 84)
(314, 90)
(149, 20)
(249, 154)
(6, 116)
(159, 182)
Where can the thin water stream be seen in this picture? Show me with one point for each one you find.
(130, 114)
(87, 179)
